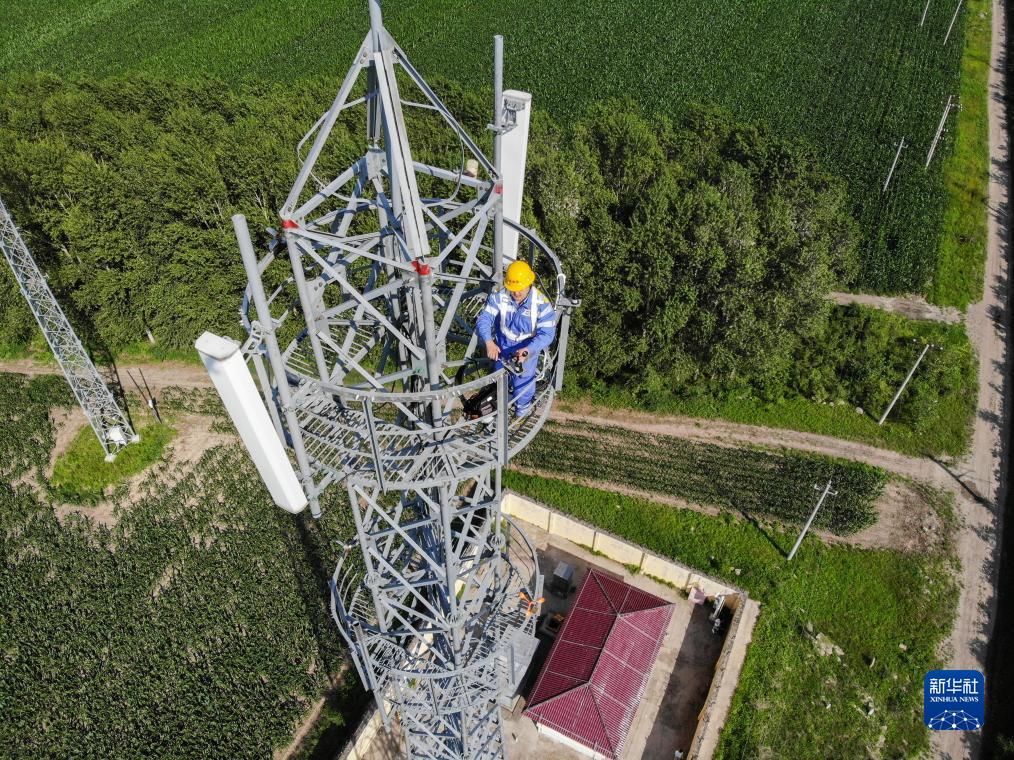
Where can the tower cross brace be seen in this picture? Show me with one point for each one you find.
(109, 422)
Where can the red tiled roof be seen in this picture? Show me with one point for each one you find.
(596, 672)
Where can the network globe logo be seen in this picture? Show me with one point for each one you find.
(954, 700)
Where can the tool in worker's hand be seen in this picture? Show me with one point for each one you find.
(515, 363)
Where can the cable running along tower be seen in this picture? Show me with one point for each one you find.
(364, 350)
(104, 414)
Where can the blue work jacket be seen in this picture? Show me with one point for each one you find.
(516, 325)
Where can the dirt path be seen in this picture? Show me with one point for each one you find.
(158, 375)
(304, 728)
(712, 431)
(913, 307)
(986, 468)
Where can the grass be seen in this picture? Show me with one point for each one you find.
(861, 366)
(144, 352)
(36, 350)
(888, 611)
(838, 421)
(81, 474)
(960, 266)
(13, 351)
(336, 723)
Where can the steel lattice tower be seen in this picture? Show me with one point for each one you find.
(105, 416)
(437, 596)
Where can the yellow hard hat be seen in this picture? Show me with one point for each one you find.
(519, 276)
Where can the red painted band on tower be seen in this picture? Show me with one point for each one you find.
(288, 224)
(421, 269)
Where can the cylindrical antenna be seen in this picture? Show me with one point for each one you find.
(376, 21)
(497, 87)
(498, 155)
(267, 326)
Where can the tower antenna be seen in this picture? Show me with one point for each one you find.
(392, 260)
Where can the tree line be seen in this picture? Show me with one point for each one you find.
(703, 247)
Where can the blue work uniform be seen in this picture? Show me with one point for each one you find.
(530, 324)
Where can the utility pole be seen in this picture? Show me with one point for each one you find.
(940, 129)
(813, 514)
(924, 11)
(902, 388)
(901, 146)
(953, 19)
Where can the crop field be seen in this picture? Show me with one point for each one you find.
(888, 612)
(195, 626)
(778, 485)
(851, 78)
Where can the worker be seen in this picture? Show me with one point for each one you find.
(517, 321)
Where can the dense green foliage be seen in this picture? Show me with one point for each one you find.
(719, 238)
(791, 701)
(196, 626)
(838, 384)
(852, 78)
(82, 474)
(753, 482)
(703, 248)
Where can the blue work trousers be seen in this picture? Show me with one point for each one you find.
(522, 387)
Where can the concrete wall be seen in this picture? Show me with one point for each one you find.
(358, 747)
(723, 686)
(620, 551)
(615, 548)
(682, 577)
(526, 510)
(572, 530)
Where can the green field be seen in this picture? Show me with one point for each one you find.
(196, 626)
(850, 78)
(888, 611)
(754, 482)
